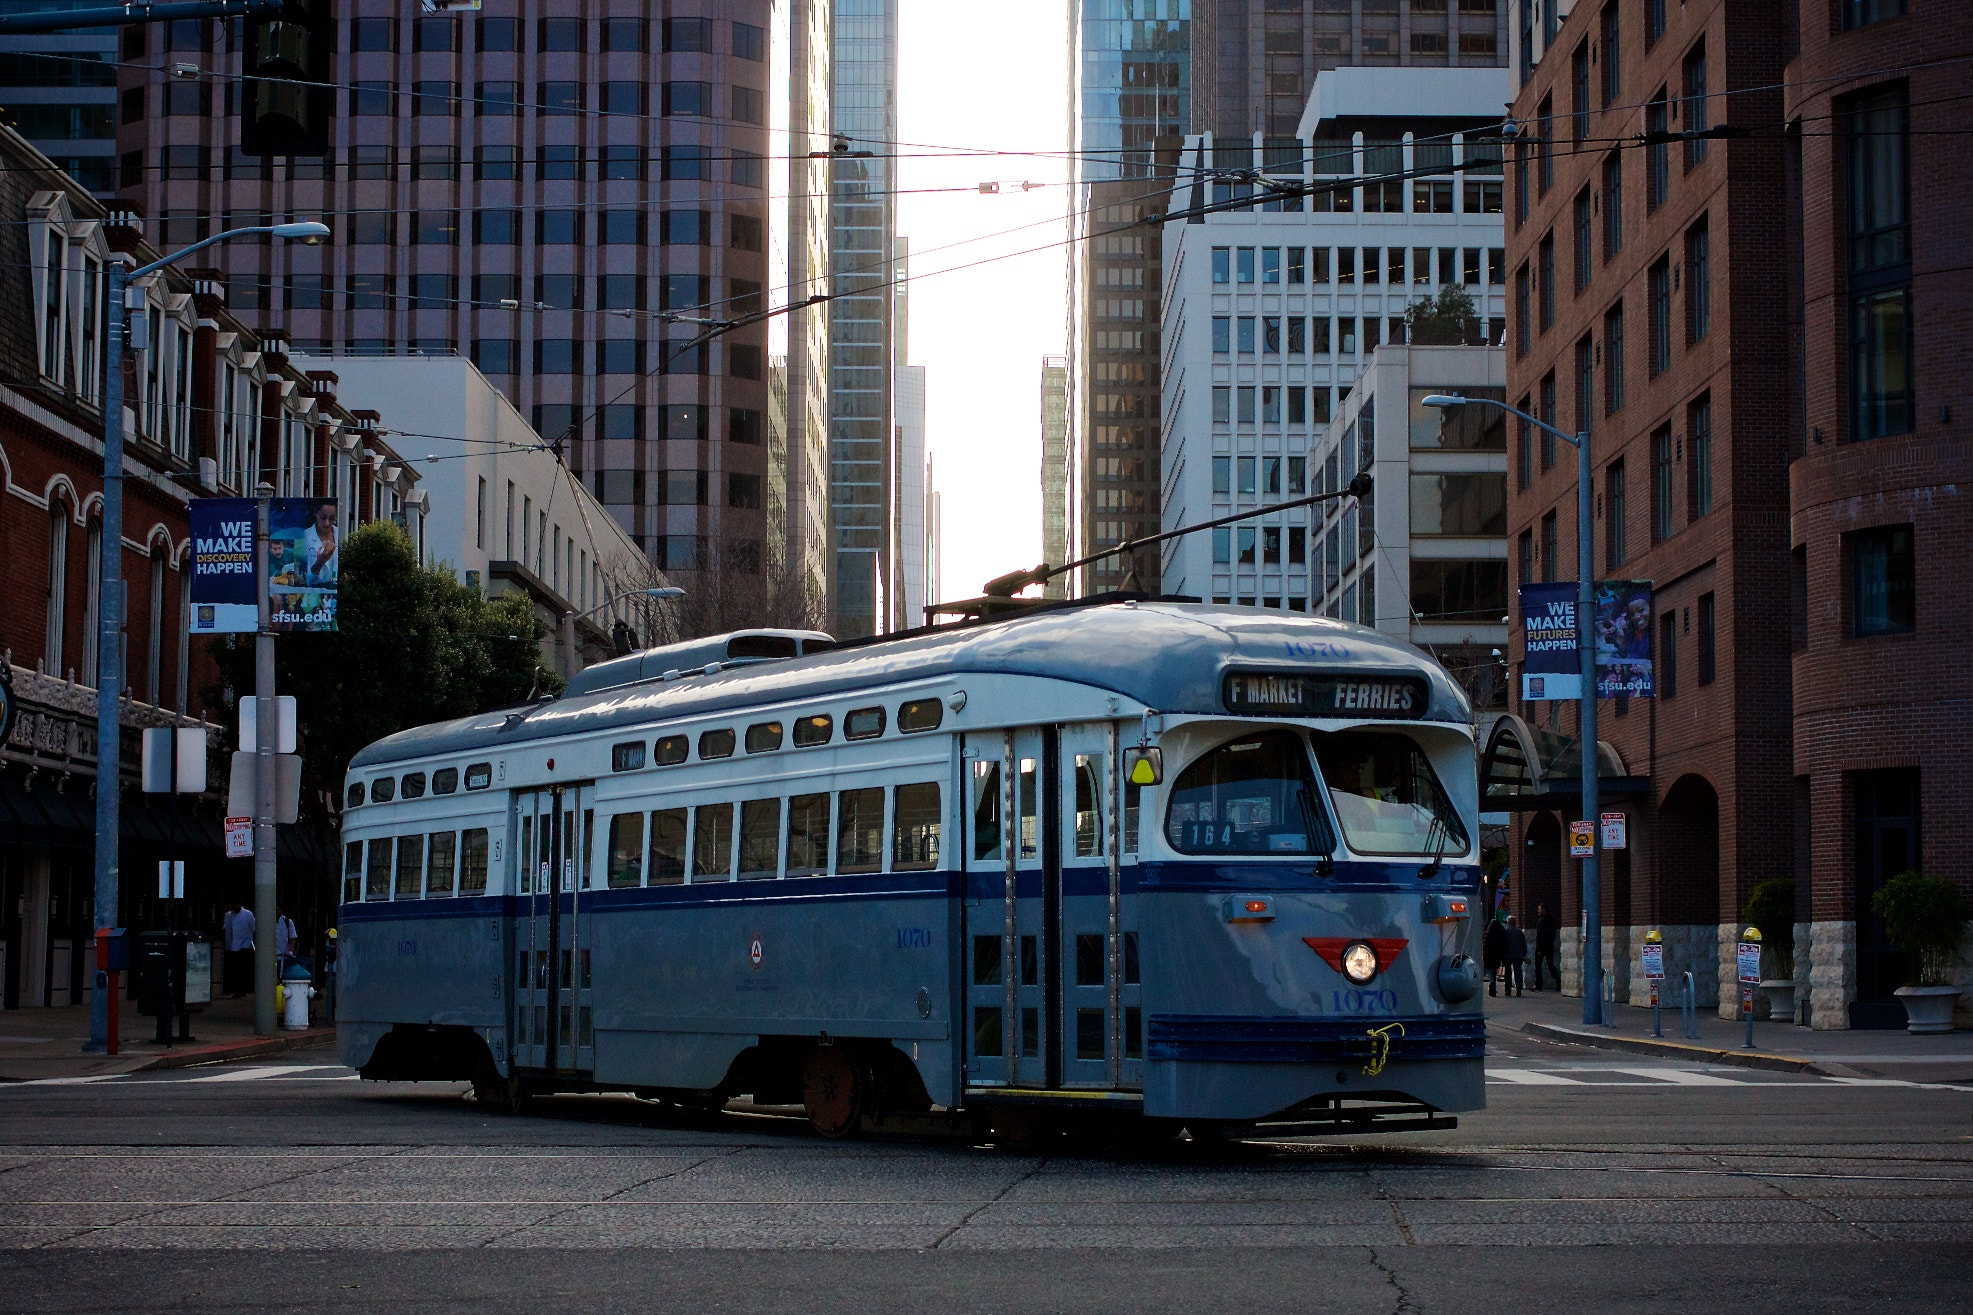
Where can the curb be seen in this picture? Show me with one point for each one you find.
(227, 1051)
(1679, 1050)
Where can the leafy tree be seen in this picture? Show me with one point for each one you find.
(1924, 915)
(1447, 320)
(412, 645)
(1771, 908)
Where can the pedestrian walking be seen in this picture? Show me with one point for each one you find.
(1517, 955)
(1493, 951)
(237, 931)
(1548, 945)
(284, 937)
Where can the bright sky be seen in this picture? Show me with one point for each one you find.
(990, 77)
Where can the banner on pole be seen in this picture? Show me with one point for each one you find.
(1623, 639)
(304, 554)
(1550, 669)
(1620, 622)
(223, 598)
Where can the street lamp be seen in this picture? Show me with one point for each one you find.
(570, 661)
(110, 612)
(1586, 657)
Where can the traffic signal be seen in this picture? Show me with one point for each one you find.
(287, 100)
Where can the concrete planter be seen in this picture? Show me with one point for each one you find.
(1780, 993)
(1928, 1007)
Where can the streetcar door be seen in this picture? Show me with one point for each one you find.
(1013, 982)
(1100, 1021)
(553, 1010)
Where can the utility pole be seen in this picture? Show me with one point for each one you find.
(265, 775)
(109, 648)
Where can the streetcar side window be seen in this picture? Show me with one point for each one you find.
(863, 724)
(915, 828)
(445, 780)
(920, 715)
(860, 832)
(815, 730)
(524, 856)
(764, 737)
(443, 863)
(355, 794)
(1133, 804)
(667, 866)
(716, 744)
(986, 810)
(377, 883)
(712, 843)
(1089, 805)
(473, 865)
(410, 866)
(626, 850)
(479, 775)
(414, 785)
(760, 837)
(1386, 795)
(627, 757)
(670, 751)
(383, 789)
(1253, 795)
(352, 872)
(808, 836)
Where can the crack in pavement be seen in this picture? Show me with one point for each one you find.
(569, 1207)
(1397, 1285)
(996, 1199)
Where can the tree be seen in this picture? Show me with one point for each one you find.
(1447, 320)
(412, 645)
(738, 594)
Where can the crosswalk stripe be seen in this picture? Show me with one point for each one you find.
(255, 1074)
(1528, 1077)
(1682, 1077)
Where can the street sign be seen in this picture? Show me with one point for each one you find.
(240, 794)
(284, 721)
(239, 837)
(1614, 835)
(1654, 962)
(174, 760)
(171, 878)
(1582, 840)
(1749, 961)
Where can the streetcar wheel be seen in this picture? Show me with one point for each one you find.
(501, 1095)
(834, 1087)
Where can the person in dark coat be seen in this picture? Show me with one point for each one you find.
(1517, 956)
(1493, 951)
(1548, 945)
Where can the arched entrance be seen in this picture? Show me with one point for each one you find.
(1688, 836)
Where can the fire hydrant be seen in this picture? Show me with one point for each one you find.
(297, 991)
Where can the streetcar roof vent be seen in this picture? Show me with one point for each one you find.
(670, 661)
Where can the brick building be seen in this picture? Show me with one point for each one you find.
(1881, 486)
(1748, 327)
(211, 408)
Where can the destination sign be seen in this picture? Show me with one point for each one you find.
(1294, 694)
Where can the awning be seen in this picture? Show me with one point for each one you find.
(1527, 769)
(20, 816)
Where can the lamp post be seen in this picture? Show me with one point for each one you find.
(110, 608)
(1586, 658)
(571, 663)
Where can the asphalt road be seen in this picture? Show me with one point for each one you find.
(1595, 1181)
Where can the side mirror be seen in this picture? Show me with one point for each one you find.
(1144, 765)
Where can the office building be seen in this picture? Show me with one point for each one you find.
(862, 336)
(805, 409)
(564, 193)
(1255, 61)
(1130, 104)
(58, 90)
(1055, 469)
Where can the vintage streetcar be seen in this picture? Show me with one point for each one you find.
(1148, 864)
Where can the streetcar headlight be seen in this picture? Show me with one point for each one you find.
(1359, 962)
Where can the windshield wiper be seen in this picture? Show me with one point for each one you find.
(1444, 834)
(1315, 827)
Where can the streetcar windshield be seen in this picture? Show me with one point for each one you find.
(1386, 797)
(1253, 795)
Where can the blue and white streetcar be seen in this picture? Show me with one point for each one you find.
(1189, 864)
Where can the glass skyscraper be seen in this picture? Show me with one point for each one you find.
(1130, 90)
(863, 82)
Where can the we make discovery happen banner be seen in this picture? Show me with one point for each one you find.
(300, 561)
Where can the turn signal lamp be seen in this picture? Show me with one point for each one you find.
(1249, 908)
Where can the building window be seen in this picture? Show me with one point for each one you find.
(1665, 680)
(1585, 227)
(1798, 597)
(1523, 324)
(1694, 91)
(1882, 570)
(1661, 483)
(1524, 448)
(1861, 13)
(1545, 280)
(1613, 360)
(1579, 91)
(1524, 558)
(1613, 205)
(57, 600)
(1879, 265)
(1547, 412)
(1657, 153)
(1545, 145)
(1698, 283)
(1699, 458)
(1707, 639)
(1659, 346)
(1585, 383)
(1612, 56)
(1654, 22)
(1549, 547)
(1616, 508)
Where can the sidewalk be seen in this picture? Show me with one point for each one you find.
(1783, 1046)
(47, 1043)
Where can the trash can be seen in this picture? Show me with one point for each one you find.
(298, 990)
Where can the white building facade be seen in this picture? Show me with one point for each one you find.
(1272, 315)
(502, 510)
